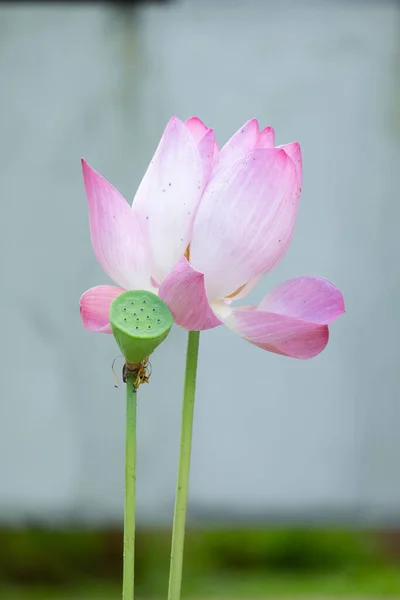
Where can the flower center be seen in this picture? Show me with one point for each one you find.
(236, 292)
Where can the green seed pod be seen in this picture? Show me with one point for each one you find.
(140, 321)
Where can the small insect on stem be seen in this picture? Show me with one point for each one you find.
(141, 370)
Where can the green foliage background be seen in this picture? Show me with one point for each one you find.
(238, 563)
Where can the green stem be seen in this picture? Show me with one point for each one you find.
(182, 487)
(130, 489)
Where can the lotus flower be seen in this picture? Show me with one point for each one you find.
(204, 226)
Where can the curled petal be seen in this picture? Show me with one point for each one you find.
(95, 307)
(266, 138)
(242, 142)
(294, 151)
(207, 146)
(168, 196)
(311, 299)
(184, 293)
(279, 333)
(118, 237)
(245, 220)
(196, 128)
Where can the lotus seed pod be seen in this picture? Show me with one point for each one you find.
(140, 321)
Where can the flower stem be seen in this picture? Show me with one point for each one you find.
(182, 487)
(130, 490)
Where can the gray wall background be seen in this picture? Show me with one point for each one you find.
(274, 438)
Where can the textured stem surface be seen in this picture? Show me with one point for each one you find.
(130, 491)
(182, 488)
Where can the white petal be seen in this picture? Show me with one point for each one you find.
(168, 196)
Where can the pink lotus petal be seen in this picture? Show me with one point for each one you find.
(95, 307)
(245, 220)
(184, 293)
(154, 283)
(278, 333)
(168, 195)
(118, 237)
(266, 138)
(294, 151)
(240, 144)
(311, 299)
(206, 143)
(196, 128)
(207, 148)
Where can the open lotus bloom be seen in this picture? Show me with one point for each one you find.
(204, 226)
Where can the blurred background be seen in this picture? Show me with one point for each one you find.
(295, 481)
